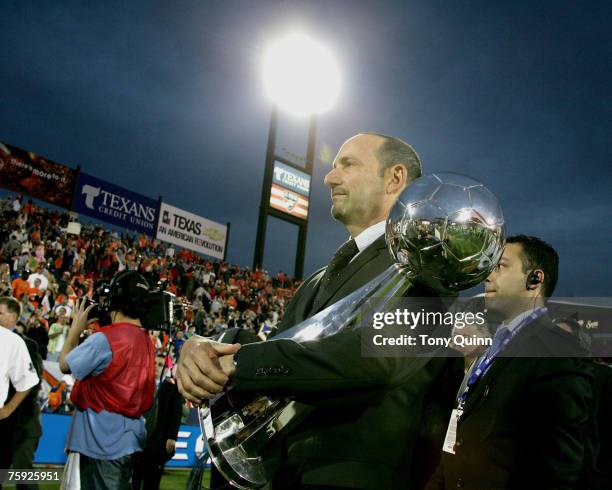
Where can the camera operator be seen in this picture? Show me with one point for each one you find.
(115, 372)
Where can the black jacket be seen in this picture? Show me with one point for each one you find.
(164, 418)
(370, 417)
(523, 424)
(597, 471)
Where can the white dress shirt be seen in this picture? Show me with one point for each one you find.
(369, 236)
(15, 364)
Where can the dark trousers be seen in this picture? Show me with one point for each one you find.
(6, 436)
(148, 470)
(5, 447)
(23, 457)
(100, 474)
(19, 443)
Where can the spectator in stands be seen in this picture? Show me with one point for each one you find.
(20, 285)
(12, 248)
(191, 331)
(27, 308)
(57, 336)
(63, 306)
(5, 279)
(48, 301)
(43, 282)
(63, 282)
(35, 292)
(36, 329)
(17, 203)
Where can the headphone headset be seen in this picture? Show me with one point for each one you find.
(116, 290)
(533, 279)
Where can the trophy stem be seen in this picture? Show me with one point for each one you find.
(391, 283)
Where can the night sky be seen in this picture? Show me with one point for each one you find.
(166, 98)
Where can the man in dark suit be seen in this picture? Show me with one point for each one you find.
(367, 414)
(597, 473)
(520, 414)
(163, 422)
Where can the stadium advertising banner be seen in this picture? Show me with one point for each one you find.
(113, 204)
(290, 190)
(191, 231)
(27, 173)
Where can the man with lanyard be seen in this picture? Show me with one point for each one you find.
(519, 416)
(115, 372)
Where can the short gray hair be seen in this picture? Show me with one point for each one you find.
(393, 151)
(12, 305)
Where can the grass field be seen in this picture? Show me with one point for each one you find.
(175, 479)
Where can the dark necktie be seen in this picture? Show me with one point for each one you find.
(341, 259)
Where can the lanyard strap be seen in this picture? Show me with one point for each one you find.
(482, 365)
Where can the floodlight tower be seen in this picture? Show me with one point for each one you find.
(301, 78)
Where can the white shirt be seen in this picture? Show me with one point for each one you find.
(44, 282)
(516, 321)
(15, 364)
(369, 236)
(207, 277)
(59, 306)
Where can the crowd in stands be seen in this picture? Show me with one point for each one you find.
(47, 269)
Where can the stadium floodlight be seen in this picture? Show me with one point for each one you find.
(301, 76)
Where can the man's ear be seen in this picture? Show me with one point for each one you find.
(397, 179)
(535, 280)
(539, 273)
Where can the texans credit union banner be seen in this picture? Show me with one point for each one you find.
(113, 204)
(27, 173)
(191, 231)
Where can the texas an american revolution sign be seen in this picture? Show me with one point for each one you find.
(191, 231)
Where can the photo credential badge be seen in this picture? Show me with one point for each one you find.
(451, 432)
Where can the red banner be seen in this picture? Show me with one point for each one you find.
(27, 173)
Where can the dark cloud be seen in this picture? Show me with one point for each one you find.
(165, 98)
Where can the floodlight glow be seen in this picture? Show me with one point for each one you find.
(301, 76)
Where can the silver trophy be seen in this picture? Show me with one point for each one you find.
(446, 229)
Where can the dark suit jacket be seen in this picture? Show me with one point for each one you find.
(523, 424)
(368, 413)
(597, 471)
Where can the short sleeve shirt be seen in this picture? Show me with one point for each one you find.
(56, 343)
(16, 366)
(101, 435)
(90, 358)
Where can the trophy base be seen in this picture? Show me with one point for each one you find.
(234, 443)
